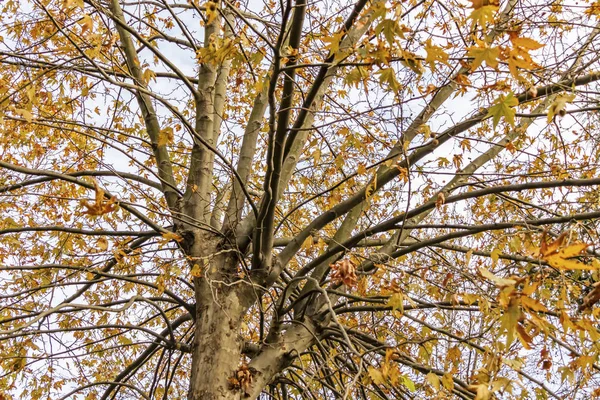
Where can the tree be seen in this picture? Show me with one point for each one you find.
(294, 200)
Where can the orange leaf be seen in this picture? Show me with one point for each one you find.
(100, 205)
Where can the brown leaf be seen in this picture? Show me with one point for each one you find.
(101, 205)
(344, 271)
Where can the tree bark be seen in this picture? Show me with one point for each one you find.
(217, 346)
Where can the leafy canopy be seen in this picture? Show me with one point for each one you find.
(299, 200)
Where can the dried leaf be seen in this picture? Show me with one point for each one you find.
(344, 271)
(101, 205)
(558, 106)
(501, 282)
(172, 236)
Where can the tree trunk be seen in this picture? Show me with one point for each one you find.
(217, 346)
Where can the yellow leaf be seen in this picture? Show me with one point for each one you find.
(447, 381)
(86, 23)
(165, 136)
(558, 106)
(530, 288)
(148, 75)
(483, 15)
(100, 205)
(483, 53)
(102, 244)
(515, 364)
(172, 236)
(495, 255)
(518, 58)
(510, 319)
(316, 155)
(495, 279)
(387, 76)
(504, 107)
(560, 263)
(119, 254)
(477, 4)
(573, 250)
(468, 257)
(397, 302)
(196, 271)
(307, 244)
(548, 248)
(433, 380)
(562, 259)
(27, 116)
(376, 376)
(434, 54)
(333, 41)
(406, 381)
(470, 298)
(391, 30)
(212, 11)
(371, 187)
(481, 391)
(526, 43)
(409, 60)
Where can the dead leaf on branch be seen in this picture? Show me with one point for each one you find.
(344, 271)
(101, 205)
(242, 378)
(558, 107)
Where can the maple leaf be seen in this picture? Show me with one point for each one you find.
(100, 205)
(433, 380)
(102, 244)
(388, 76)
(396, 300)
(27, 115)
(519, 59)
(409, 60)
(510, 320)
(165, 136)
(482, 392)
(86, 23)
(477, 4)
(524, 337)
(483, 15)
(483, 53)
(376, 376)
(503, 107)
(562, 258)
(211, 11)
(391, 30)
(435, 53)
(559, 104)
(168, 236)
(526, 43)
(148, 75)
(334, 41)
(344, 271)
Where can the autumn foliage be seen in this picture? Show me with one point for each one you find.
(374, 199)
